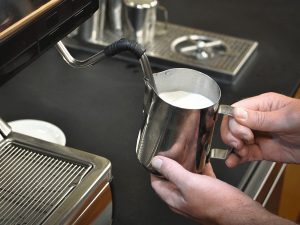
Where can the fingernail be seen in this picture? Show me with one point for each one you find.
(234, 145)
(241, 113)
(228, 163)
(156, 163)
(247, 139)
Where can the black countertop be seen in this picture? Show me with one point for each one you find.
(99, 108)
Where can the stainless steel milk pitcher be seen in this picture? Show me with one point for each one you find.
(181, 132)
(176, 126)
(140, 17)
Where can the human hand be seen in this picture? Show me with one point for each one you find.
(204, 198)
(264, 127)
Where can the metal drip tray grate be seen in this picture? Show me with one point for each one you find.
(33, 184)
(202, 49)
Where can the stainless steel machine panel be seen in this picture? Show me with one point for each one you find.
(46, 183)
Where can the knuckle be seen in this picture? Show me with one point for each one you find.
(232, 124)
(235, 128)
(239, 131)
(260, 119)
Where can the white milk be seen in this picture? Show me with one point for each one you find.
(186, 100)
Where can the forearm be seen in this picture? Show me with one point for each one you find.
(278, 220)
(253, 216)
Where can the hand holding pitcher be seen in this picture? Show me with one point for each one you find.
(265, 127)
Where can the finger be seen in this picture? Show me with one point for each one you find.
(254, 103)
(241, 152)
(233, 160)
(259, 120)
(237, 156)
(208, 170)
(254, 153)
(248, 153)
(161, 185)
(269, 101)
(227, 137)
(179, 211)
(241, 132)
(167, 191)
(170, 169)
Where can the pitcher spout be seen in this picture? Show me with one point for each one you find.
(147, 71)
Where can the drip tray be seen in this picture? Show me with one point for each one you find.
(184, 46)
(201, 49)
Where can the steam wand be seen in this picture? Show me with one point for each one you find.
(111, 50)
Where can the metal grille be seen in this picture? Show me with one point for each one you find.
(229, 63)
(33, 184)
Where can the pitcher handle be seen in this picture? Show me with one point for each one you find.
(218, 153)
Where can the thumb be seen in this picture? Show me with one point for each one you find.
(259, 120)
(170, 169)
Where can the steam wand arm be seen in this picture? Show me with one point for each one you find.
(111, 50)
